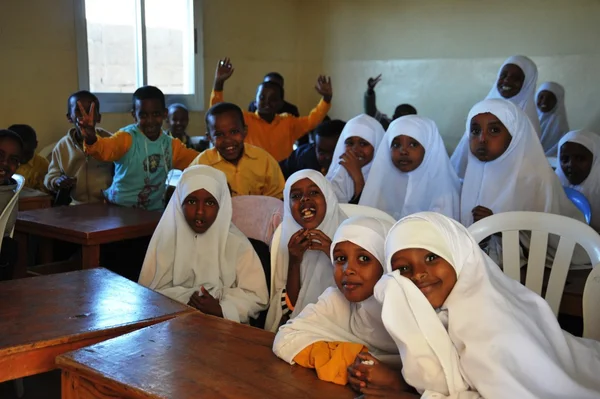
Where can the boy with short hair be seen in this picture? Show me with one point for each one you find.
(11, 153)
(286, 108)
(178, 119)
(317, 155)
(274, 133)
(70, 168)
(250, 170)
(142, 153)
(33, 167)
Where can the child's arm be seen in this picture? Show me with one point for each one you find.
(370, 102)
(223, 72)
(107, 149)
(182, 156)
(275, 182)
(307, 123)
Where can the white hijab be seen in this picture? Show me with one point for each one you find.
(333, 318)
(433, 186)
(368, 129)
(554, 123)
(525, 100)
(590, 187)
(501, 340)
(179, 261)
(316, 270)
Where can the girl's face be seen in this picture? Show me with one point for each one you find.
(433, 275)
(546, 101)
(361, 148)
(356, 271)
(200, 210)
(576, 162)
(407, 153)
(510, 81)
(489, 138)
(307, 203)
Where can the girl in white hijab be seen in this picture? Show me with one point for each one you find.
(411, 171)
(552, 113)
(303, 269)
(516, 82)
(198, 257)
(579, 156)
(508, 171)
(352, 158)
(329, 334)
(466, 330)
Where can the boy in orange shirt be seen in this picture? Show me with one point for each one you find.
(274, 133)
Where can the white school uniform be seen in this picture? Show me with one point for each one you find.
(525, 100)
(370, 130)
(179, 261)
(333, 318)
(554, 123)
(316, 270)
(492, 338)
(433, 186)
(590, 187)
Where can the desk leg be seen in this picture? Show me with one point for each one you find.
(68, 384)
(90, 256)
(21, 266)
(46, 250)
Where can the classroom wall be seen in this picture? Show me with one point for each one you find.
(442, 56)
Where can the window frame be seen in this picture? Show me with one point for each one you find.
(121, 102)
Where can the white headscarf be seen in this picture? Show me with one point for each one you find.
(333, 318)
(316, 269)
(590, 187)
(368, 129)
(502, 340)
(554, 123)
(179, 261)
(433, 186)
(525, 100)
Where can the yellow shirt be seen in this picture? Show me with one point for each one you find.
(257, 172)
(278, 137)
(330, 359)
(34, 172)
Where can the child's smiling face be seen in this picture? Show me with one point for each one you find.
(356, 271)
(11, 152)
(149, 115)
(546, 101)
(510, 81)
(433, 275)
(307, 204)
(361, 148)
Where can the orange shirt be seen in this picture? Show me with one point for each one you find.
(278, 137)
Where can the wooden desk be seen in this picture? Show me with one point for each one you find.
(194, 356)
(37, 202)
(88, 225)
(42, 317)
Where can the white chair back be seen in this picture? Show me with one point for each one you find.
(570, 231)
(47, 150)
(257, 216)
(7, 211)
(591, 300)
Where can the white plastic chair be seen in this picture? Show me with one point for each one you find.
(349, 209)
(47, 150)
(591, 300)
(257, 216)
(570, 231)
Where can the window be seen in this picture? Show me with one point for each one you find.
(125, 44)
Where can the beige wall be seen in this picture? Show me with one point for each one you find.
(440, 55)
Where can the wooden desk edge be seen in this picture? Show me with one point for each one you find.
(30, 359)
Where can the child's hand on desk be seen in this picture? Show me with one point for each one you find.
(206, 303)
(369, 376)
(65, 181)
(481, 212)
(324, 88)
(87, 123)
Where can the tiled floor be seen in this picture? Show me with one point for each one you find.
(42, 386)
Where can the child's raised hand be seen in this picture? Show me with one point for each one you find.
(86, 123)
(372, 82)
(481, 212)
(224, 70)
(319, 241)
(299, 244)
(324, 88)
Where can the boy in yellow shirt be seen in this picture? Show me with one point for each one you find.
(250, 170)
(266, 129)
(33, 167)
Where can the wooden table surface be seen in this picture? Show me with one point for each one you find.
(88, 225)
(42, 317)
(34, 202)
(194, 356)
